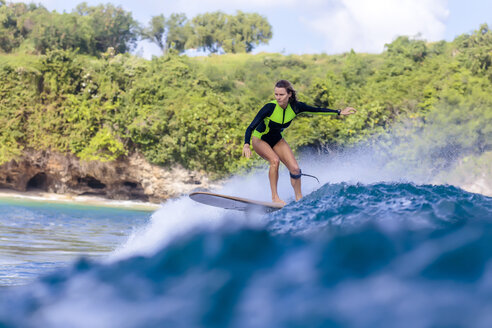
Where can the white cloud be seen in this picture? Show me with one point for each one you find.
(366, 26)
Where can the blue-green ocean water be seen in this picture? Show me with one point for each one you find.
(346, 255)
(37, 237)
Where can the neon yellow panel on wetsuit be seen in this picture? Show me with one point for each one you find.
(278, 120)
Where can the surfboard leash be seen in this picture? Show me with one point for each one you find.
(311, 176)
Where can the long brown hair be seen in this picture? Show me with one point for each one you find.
(290, 89)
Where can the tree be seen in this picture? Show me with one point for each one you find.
(217, 32)
(112, 27)
(8, 28)
(12, 31)
(208, 31)
(91, 30)
(404, 47)
(171, 33)
(178, 32)
(245, 31)
(403, 55)
(62, 31)
(476, 49)
(155, 32)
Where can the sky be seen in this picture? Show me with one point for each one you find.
(320, 26)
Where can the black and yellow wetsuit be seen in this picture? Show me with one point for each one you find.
(272, 119)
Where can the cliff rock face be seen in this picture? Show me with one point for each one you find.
(130, 178)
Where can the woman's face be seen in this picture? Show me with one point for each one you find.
(282, 97)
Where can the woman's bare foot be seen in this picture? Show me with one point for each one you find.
(278, 200)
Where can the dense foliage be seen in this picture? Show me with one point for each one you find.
(93, 29)
(213, 32)
(194, 111)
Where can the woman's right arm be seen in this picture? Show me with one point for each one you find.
(266, 111)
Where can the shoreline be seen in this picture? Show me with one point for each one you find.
(89, 201)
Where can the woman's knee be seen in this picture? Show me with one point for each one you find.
(274, 161)
(295, 173)
(295, 170)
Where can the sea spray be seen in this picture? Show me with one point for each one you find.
(180, 216)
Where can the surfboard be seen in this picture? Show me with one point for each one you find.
(234, 203)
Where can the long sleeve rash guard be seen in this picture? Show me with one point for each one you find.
(267, 111)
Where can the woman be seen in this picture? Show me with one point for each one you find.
(268, 142)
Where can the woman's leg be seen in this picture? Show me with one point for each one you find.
(282, 149)
(265, 151)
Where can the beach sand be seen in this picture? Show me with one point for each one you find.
(94, 201)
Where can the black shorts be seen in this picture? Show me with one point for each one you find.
(272, 138)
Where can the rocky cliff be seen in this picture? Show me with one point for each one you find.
(130, 178)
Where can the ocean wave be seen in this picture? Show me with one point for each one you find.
(376, 255)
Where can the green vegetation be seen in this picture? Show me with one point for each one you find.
(213, 32)
(76, 89)
(94, 29)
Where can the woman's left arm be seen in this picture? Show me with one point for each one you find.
(303, 108)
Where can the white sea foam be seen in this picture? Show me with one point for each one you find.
(182, 215)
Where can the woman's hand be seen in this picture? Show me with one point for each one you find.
(348, 111)
(246, 151)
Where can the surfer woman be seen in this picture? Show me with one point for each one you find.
(267, 127)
